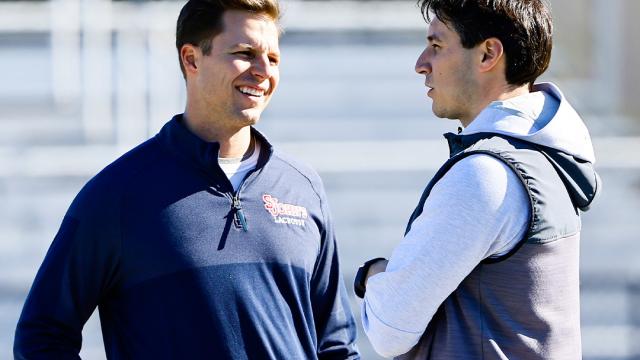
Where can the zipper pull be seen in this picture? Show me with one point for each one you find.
(239, 218)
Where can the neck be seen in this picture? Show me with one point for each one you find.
(234, 143)
(511, 92)
(499, 93)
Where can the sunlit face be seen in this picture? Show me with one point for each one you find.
(237, 79)
(449, 73)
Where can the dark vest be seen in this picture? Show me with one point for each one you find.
(525, 304)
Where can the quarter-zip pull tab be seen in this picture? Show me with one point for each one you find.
(238, 216)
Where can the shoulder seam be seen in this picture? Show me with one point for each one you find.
(276, 155)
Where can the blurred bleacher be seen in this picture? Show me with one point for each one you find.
(82, 81)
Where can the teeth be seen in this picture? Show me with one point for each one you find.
(251, 91)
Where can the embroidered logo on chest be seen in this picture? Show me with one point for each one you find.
(285, 213)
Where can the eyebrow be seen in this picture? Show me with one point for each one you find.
(250, 47)
(243, 46)
(433, 37)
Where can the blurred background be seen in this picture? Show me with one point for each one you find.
(82, 81)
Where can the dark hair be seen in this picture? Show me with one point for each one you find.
(200, 20)
(523, 26)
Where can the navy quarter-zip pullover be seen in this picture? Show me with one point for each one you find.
(182, 267)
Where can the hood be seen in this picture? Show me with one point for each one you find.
(545, 118)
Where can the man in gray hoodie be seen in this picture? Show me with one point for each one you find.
(488, 267)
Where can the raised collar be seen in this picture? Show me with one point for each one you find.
(460, 142)
(201, 154)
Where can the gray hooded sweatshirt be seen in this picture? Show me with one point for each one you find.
(488, 267)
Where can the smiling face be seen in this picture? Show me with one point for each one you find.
(449, 73)
(234, 83)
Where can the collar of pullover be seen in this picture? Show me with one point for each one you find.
(201, 154)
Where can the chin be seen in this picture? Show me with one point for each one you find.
(444, 113)
(250, 116)
(438, 112)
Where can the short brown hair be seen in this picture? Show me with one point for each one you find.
(200, 20)
(523, 26)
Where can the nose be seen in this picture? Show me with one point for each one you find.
(423, 66)
(262, 68)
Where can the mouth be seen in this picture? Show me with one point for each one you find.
(429, 90)
(253, 92)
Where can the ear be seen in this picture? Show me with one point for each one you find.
(190, 57)
(492, 53)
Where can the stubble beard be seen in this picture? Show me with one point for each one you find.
(452, 112)
(461, 98)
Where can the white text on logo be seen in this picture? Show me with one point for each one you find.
(285, 213)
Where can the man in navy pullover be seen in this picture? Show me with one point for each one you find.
(203, 242)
